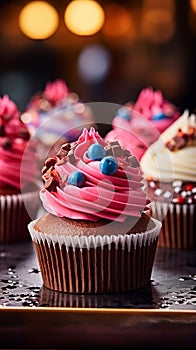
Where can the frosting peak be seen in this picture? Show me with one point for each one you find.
(87, 182)
(56, 91)
(14, 137)
(172, 156)
(8, 109)
(152, 104)
(137, 125)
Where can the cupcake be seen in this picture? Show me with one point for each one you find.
(54, 109)
(97, 234)
(169, 167)
(17, 191)
(137, 125)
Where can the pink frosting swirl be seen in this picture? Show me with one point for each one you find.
(113, 197)
(48, 111)
(14, 138)
(56, 91)
(153, 106)
(149, 117)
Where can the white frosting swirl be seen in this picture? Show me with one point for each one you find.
(161, 164)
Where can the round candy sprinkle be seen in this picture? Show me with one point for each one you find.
(108, 165)
(123, 113)
(180, 200)
(189, 187)
(159, 116)
(96, 151)
(76, 179)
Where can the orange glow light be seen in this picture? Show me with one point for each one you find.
(157, 25)
(84, 17)
(38, 20)
(118, 21)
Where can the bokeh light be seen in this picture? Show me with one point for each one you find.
(118, 21)
(193, 5)
(157, 25)
(38, 20)
(94, 63)
(84, 17)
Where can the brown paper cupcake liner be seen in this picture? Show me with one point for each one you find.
(178, 226)
(14, 216)
(96, 264)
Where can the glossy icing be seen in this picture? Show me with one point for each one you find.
(112, 197)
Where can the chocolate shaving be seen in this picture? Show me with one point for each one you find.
(50, 162)
(66, 147)
(182, 139)
(117, 151)
(114, 143)
(24, 134)
(51, 184)
(47, 171)
(176, 143)
(62, 161)
(133, 161)
(7, 143)
(126, 153)
(62, 154)
(51, 178)
(108, 150)
(2, 130)
(71, 156)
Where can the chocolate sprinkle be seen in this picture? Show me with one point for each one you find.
(24, 134)
(7, 143)
(51, 184)
(133, 161)
(50, 162)
(2, 130)
(182, 139)
(66, 147)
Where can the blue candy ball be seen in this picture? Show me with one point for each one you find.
(108, 165)
(96, 152)
(123, 113)
(76, 179)
(159, 116)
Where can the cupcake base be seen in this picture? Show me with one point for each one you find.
(14, 216)
(178, 225)
(108, 264)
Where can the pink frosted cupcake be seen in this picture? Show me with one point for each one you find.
(97, 235)
(17, 191)
(169, 166)
(54, 109)
(137, 125)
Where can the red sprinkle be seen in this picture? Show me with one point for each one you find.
(188, 187)
(180, 200)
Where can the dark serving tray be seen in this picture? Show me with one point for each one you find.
(160, 314)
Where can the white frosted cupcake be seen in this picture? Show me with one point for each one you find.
(169, 167)
(97, 235)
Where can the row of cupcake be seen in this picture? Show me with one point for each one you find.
(56, 115)
(101, 228)
(99, 233)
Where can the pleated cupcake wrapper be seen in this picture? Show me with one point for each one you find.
(144, 238)
(14, 216)
(96, 265)
(178, 226)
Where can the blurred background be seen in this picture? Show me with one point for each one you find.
(108, 52)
